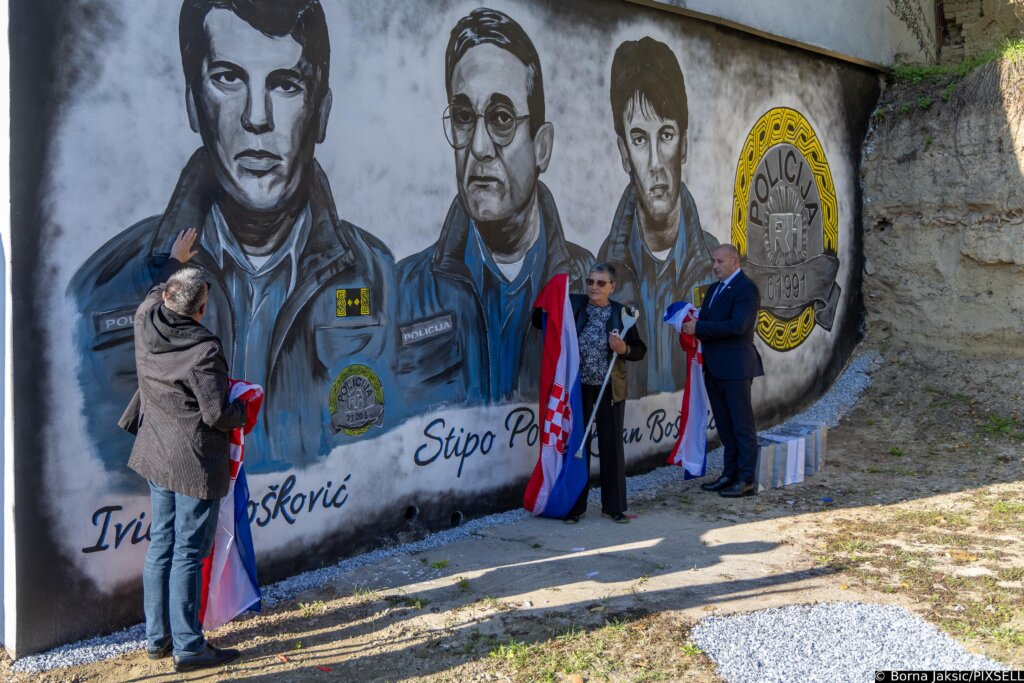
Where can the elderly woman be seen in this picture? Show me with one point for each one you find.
(598, 325)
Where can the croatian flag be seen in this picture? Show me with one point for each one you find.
(689, 451)
(229, 573)
(561, 472)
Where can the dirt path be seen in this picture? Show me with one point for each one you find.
(921, 504)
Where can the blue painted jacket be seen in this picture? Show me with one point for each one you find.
(314, 338)
(443, 354)
(685, 270)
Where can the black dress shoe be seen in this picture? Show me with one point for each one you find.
(718, 484)
(738, 490)
(159, 652)
(210, 656)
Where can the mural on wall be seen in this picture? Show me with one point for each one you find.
(296, 293)
(785, 224)
(471, 292)
(656, 243)
(399, 362)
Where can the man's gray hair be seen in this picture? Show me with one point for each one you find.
(728, 248)
(185, 290)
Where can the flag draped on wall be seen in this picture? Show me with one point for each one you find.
(561, 472)
(229, 573)
(689, 451)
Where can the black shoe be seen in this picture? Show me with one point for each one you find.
(718, 484)
(210, 656)
(160, 652)
(738, 490)
(616, 517)
(572, 519)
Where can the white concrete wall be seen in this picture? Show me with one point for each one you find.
(862, 31)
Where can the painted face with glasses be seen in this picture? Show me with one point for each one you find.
(599, 287)
(487, 123)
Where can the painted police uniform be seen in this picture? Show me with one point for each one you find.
(464, 330)
(651, 285)
(316, 331)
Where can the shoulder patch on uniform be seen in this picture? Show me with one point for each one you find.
(422, 330)
(111, 321)
(352, 302)
(356, 401)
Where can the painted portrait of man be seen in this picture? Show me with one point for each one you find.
(656, 243)
(296, 293)
(465, 333)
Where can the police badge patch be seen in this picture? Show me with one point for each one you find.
(356, 401)
(785, 224)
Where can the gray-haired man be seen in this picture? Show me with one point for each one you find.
(180, 415)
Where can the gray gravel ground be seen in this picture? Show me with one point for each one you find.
(829, 642)
(830, 408)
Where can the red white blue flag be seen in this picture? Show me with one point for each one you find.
(561, 472)
(229, 573)
(689, 451)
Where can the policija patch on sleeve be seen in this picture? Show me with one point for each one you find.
(353, 302)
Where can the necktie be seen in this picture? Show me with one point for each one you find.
(714, 295)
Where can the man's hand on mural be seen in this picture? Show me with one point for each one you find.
(182, 247)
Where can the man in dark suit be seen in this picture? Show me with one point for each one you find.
(181, 416)
(726, 331)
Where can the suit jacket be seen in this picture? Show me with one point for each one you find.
(311, 343)
(183, 409)
(636, 349)
(726, 330)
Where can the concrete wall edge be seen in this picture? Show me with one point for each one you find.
(728, 23)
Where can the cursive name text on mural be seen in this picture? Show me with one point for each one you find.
(443, 441)
(283, 501)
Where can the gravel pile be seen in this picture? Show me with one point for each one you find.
(829, 642)
(829, 409)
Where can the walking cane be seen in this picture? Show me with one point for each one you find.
(629, 316)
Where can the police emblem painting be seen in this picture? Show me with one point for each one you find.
(785, 224)
(356, 401)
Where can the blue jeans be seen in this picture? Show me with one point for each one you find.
(181, 536)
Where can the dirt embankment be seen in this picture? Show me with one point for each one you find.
(943, 184)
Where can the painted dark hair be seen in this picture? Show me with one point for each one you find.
(648, 68)
(485, 26)
(303, 20)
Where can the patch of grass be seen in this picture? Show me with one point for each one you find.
(998, 426)
(439, 564)
(536, 545)
(685, 500)
(1011, 574)
(310, 609)
(643, 650)
(407, 601)
(1011, 637)
(897, 452)
(463, 583)
(361, 592)
(924, 102)
(919, 519)
(691, 650)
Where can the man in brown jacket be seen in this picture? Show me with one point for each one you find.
(181, 416)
